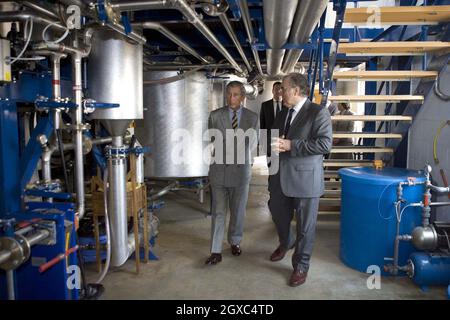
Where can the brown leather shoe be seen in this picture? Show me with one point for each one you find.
(214, 258)
(236, 250)
(298, 278)
(278, 254)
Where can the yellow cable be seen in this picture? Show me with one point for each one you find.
(436, 137)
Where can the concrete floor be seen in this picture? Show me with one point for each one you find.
(183, 245)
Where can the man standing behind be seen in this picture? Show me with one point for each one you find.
(230, 178)
(306, 135)
(269, 111)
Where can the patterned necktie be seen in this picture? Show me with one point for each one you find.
(288, 122)
(234, 121)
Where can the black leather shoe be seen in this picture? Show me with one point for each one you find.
(236, 250)
(214, 258)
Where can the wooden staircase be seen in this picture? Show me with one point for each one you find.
(421, 15)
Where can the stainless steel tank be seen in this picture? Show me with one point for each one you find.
(175, 118)
(115, 76)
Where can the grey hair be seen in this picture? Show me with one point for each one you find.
(234, 84)
(297, 80)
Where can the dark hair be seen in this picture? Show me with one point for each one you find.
(297, 80)
(234, 84)
(276, 83)
(345, 105)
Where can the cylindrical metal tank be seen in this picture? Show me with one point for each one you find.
(368, 217)
(428, 269)
(115, 76)
(175, 119)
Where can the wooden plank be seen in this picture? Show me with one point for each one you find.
(395, 75)
(376, 98)
(400, 15)
(332, 193)
(393, 48)
(330, 212)
(371, 118)
(361, 149)
(347, 163)
(331, 174)
(332, 184)
(375, 135)
(330, 202)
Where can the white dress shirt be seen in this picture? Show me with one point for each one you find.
(275, 107)
(297, 108)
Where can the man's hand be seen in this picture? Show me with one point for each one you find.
(281, 145)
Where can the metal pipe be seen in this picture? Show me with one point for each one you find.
(306, 18)
(170, 35)
(11, 16)
(176, 66)
(189, 13)
(226, 23)
(117, 203)
(250, 34)
(78, 133)
(138, 5)
(91, 12)
(37, 237)
(41, 9)
(164, 191)
(10, 285)
(278, 18)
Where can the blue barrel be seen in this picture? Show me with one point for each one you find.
(368, 218)
(430, 269)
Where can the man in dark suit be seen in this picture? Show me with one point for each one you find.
(269, 111)
(305, 136)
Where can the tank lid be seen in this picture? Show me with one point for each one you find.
(383, 176)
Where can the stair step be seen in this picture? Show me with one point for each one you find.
(361, 149)
(405, 75)
(347, 163)
(376, 135)
(400, 15)
(332, 184)
(393, 48)
(332, 193)
(328, 212)
(371, 118)
(331, 174)
(332, 202)
(376, 98)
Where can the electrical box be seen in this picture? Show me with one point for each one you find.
(5, 67)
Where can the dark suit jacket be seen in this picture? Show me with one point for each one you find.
(266, 114)
(266, 120)
(301, 169)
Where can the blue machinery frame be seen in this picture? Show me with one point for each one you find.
(15, 171)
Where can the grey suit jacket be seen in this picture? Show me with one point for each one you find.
(301, 169)
(235, 173)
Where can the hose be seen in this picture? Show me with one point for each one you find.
(44, 31)
(108, 231)
(436, 138)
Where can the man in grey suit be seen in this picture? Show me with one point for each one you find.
(305, 136)
(229, 174)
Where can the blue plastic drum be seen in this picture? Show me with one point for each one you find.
(368, 216)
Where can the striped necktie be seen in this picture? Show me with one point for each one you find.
(234, 121)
